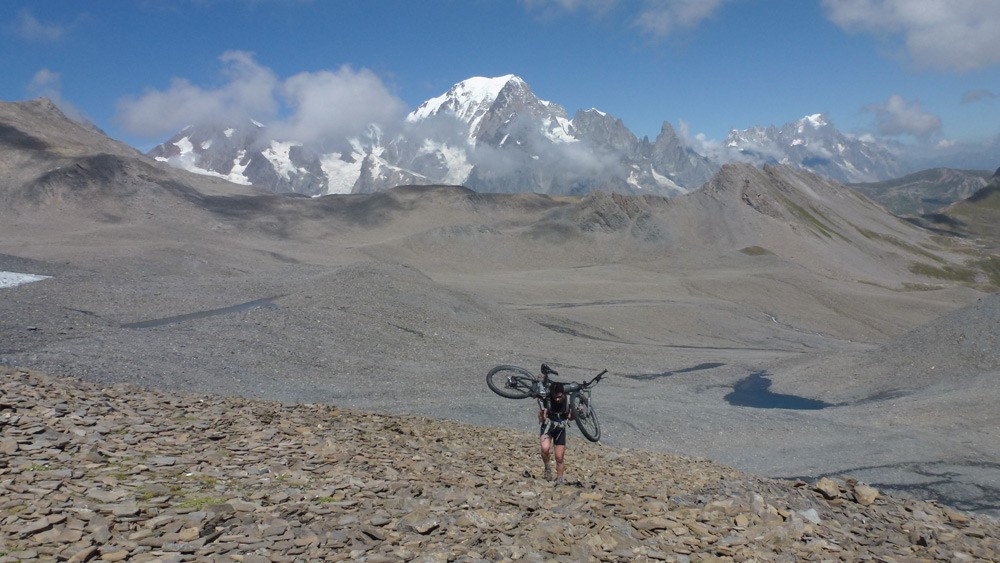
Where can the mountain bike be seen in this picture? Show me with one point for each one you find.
(515, 382)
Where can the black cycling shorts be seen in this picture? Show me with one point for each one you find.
(557, 434)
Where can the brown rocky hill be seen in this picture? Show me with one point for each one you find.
(51, 160)
(122, 473)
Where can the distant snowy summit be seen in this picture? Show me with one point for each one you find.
(814, 144)
(496, 135)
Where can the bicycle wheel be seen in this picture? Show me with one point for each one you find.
(585, 417)
(511, 382)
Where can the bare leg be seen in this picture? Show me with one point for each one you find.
(560, 456)
(545, 444)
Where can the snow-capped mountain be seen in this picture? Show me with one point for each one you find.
(490, 134)
(245, 153)
(814, 144)
(496, 135)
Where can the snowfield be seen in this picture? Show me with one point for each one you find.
(12, 279)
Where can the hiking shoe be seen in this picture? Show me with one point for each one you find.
(548, 472)
(560, 481)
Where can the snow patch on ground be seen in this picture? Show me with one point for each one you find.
(12, 279)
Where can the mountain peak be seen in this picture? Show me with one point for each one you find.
(466, 97)
(814, 143)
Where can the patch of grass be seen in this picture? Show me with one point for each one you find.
(801, 212)
(126, 461)
(203, 480)
(872, 235)
(756, 251)
(907, 286)
(810, 218)
(947, 272)
(186, 418)
(868, 234)
(146, 494)
(15, 509)
(199, 503)
(816, 211)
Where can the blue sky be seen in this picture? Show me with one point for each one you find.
(922, 72)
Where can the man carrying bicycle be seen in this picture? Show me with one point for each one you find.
(553, 415)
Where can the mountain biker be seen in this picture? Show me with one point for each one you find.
(553, 415)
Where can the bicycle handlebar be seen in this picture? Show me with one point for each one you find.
(596, 380)
(570, 387)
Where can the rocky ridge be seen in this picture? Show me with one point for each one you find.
(121, 473)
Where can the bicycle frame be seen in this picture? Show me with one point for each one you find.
(519, 383)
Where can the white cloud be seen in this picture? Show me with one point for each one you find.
(45, 83)
(663, 17)
(334, 104)
(899, 117)
(30, 28)
(48, 84)
(976, 95)
(249, 93)
(959, 35)
(720, 152)
(657, 18)
(553, 7)
(307, 107)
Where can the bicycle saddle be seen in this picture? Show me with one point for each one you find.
(546, 370)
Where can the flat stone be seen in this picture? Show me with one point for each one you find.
(104, 495)
(653, 523)
(161, 461)
(35, 527)
(130, 508)
(118, 555)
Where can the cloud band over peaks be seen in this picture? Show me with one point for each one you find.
(309, 106)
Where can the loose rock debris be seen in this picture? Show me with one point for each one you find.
(117, 473)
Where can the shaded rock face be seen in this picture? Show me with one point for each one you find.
(120, 473)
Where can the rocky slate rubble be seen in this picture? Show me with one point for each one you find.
(122, 473)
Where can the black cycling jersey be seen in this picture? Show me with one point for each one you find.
(557, 410)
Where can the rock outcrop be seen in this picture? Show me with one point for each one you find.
(120, 473)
